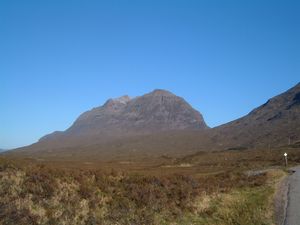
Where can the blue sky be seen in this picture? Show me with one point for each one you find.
(60, 58)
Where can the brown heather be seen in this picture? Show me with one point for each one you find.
(42, 194)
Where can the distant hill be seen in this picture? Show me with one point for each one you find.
(162, 123)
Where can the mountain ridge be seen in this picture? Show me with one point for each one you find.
(275, 123)
(279, 116)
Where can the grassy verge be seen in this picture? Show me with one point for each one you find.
(241, 206)
(245, 206)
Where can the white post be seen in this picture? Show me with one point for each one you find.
(285, 157)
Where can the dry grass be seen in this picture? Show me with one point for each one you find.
(35, 193)
(203, 188)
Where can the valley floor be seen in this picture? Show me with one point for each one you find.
(221, 188)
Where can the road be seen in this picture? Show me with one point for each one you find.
(293, 200)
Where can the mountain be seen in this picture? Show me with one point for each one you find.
(161, 123)
(155, 112)
(277, 122)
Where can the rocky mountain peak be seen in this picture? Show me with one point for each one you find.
(160, 92)
(122, 100)
(157, 111)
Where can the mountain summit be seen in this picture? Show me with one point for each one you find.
(157, 111)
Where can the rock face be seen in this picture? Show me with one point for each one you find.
(155, 112)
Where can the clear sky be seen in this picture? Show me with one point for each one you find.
(60, 58)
